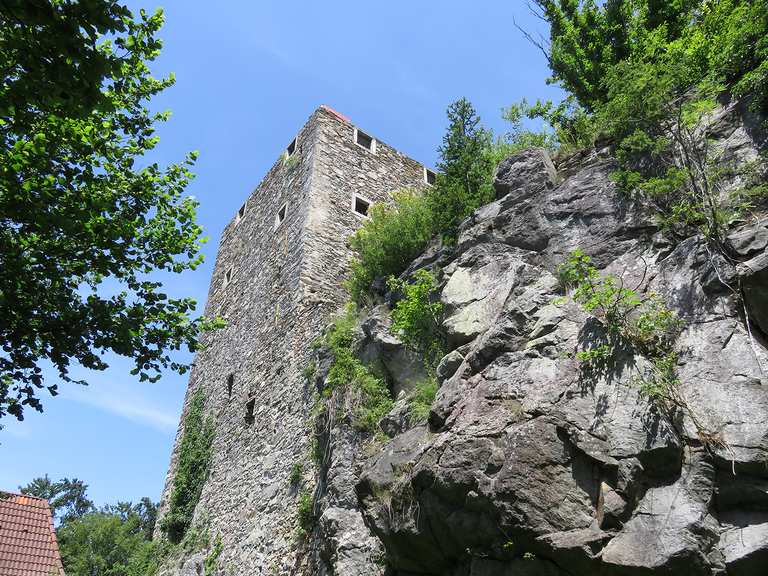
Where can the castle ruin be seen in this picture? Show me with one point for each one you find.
(277, 281)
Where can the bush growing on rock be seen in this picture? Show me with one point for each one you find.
(417, 316)
(640, 321)
(422, 399)
(369, 393)
(647, 75)
(392, 237)
(305, 512)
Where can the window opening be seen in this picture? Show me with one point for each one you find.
(228, 276)
(230, 385)
(429, 176)
(249, 408)
(361, 205)
(241, 211)
(362, 139)
(280, 216)
(291, 149)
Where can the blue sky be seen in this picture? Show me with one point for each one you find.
(249, 74)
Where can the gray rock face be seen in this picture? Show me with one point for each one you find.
(745, 549)
(386, 352)
(751, 244)
(525, 174)
(535, 463)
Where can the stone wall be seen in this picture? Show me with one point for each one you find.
(286, 282)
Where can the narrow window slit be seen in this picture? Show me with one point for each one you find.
(250, 406)
(280, 216)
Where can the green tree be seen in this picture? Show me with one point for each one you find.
(143, 515)
(84, 217)
(587, 37)
(466, 169)
(113, 541)
(647, 73)
(67, 497)
(726, 41)
(109, 544)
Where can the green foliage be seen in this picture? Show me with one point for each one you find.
(297, 471)
(372, 397)
(211, 561)
(465, 181)
(422, 399)
(661, 382)
(595, 355)
(733, 39)
(417, 317)
(191, 469)
(643, 322)
(82, 223)
(573, 128)
(309, 371)
(519, 138)
(663, 152)
(392, 237)
(67, 497)
(316, 450)
(143, 515)
(722, 40)
(116, 540)
(396, 234)
(100, 543)
(305, 512)
(646, 73)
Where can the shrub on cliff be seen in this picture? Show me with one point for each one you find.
(369, 393)
(394, 235)
(647, 74)
(417, 317)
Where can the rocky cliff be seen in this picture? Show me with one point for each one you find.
(533, 463)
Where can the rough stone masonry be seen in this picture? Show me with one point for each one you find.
(277, 280)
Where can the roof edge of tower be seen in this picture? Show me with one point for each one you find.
(335, 113)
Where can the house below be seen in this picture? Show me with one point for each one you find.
(28, 544)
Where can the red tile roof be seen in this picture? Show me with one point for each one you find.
(27, 538)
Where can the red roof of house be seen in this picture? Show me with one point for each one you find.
(27, 538)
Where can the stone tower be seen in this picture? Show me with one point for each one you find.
(277, 281)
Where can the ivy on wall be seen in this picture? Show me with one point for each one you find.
(191, 471)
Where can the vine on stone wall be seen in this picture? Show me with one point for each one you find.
(191, 470)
